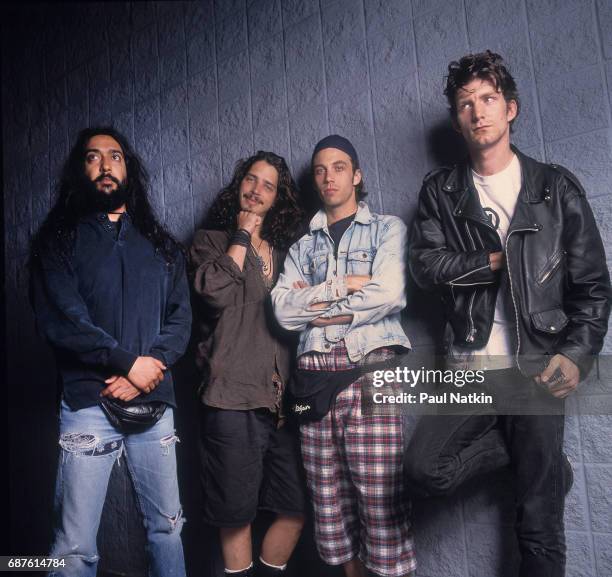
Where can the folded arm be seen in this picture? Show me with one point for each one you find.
(432, 264)
(216, 275)
(384, 292)
(295, 302)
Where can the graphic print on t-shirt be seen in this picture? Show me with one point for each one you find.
(498, 195)
(492, 216)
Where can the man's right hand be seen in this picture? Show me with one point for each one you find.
(497, 260)
(355, 282)
(146, 373)
(247, 220)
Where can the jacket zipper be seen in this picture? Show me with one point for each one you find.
(454, 281)
(467, 229)
(518, 334)
(471, 331)
(553, 266)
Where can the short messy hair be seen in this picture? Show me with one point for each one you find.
(486, 65)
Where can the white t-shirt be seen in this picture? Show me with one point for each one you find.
(498, 195)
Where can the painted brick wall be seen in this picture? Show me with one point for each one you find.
(196, 86)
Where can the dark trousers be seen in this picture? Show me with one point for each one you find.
(448, 450)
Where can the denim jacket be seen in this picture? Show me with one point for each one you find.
(373, 245)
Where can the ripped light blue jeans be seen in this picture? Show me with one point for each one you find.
(89, 448)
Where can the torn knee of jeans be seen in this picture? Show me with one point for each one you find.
(87, 558)
(78, 442)
(167, 442)
(77, 552)
(88, 444)
(175, 522)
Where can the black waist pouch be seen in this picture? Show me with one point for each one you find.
(132, 418)
(310, 394)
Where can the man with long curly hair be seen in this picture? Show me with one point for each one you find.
(250, 456)
(110, 293)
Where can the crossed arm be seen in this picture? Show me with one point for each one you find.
(353, 282)
(352, 299)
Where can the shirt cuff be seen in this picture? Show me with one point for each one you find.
(157, 354)
(335, 288)
(121, 359)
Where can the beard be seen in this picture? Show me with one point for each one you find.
(95, 200)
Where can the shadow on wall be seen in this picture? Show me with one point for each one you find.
(423, 318)
(453, 534)
(445, 146)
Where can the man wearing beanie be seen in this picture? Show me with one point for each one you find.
(343, 289)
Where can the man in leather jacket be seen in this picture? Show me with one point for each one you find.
(512, 248)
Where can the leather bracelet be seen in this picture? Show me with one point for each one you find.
(241, 237)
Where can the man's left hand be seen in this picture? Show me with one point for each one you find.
(120, 388)
(561, 376)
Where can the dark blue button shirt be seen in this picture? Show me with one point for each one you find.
(113, 300)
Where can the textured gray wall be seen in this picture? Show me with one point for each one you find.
(196, 86)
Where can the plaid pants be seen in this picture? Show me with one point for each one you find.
(353, 465)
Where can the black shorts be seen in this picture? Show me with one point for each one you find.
(248, 464)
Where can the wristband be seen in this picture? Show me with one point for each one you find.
(241, 237)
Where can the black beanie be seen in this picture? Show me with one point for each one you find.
(339, 142)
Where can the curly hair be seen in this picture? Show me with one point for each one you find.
(486, 66)
(282, 221)
(57, 232)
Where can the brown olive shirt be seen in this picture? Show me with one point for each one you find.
(241, 345)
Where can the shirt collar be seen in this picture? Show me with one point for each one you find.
(363, 216)
(460, 178)
(103, 217)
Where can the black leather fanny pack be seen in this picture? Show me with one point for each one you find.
(132, 418)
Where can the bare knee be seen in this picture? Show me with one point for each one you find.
(292, 522)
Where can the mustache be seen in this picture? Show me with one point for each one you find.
(110, 176)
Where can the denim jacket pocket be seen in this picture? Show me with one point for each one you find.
(360, 261)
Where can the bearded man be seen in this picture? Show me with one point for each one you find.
(110, 294)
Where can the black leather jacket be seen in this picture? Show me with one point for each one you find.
(560, 285)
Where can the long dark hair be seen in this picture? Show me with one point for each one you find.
(283, 220)
(57, 232)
